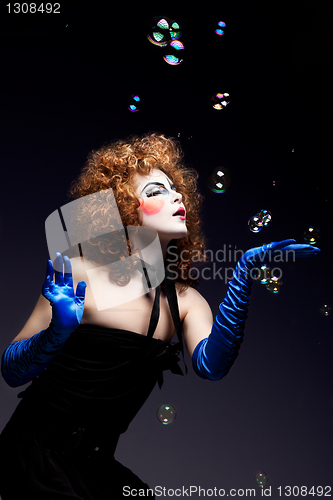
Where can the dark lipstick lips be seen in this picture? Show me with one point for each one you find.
(180, 211)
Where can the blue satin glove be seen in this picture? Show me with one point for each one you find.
(67, 309)
(214, 356)
(25, 359)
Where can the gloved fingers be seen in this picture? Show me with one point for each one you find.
(49, 271)
(68, 276)
(80, 293)
(261, 252)
(277, 245)
(58, 270)
(48, 283)
(302, 250)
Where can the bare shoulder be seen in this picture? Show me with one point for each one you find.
(190, 299)
(196, 315)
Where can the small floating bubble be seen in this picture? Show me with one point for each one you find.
(311, 235)
(255, 224)
(265, 217)
(274, 285)
(261, 479)
(326, 309)
(220, 30)
(220, 101)
(166, 414)
(262, 274)
(135, 103)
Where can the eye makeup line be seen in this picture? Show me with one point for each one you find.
(172, 186)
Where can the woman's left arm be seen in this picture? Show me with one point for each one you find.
(214, 345)
(198, 321)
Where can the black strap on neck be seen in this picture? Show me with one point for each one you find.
(170, 290)
(171, 294)
(155, 314)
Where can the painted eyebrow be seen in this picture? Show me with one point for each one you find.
(172, 186)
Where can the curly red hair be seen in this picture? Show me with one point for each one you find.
(114, 165)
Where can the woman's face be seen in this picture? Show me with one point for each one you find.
(161, 207)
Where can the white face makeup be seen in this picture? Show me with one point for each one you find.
(161, 207)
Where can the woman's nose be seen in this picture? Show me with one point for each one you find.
(177, 196)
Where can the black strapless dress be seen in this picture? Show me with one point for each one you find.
(61, 439)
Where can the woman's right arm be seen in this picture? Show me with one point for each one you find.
(39, 319)
(30, 352)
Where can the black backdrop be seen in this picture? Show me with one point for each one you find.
(65, 84)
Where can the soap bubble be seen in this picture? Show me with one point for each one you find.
(261, 479)
(255, 224)
(219, 179)
(326, 309)
(220, 29)
(174, 53)
(265, 217)
(166, 414)
(220, 101)
(311, 235)
(262, 274)
(135, 103)
(274, 285)
(175, 31)
(163, 31)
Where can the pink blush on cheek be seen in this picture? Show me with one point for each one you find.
(151, 206)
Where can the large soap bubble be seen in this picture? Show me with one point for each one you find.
(219, 179)
(173, 55)
(265, 217)
(255, 224)
(258, 221)
(163, 31)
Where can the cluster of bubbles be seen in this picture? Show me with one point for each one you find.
(219, 180)
(166, 414)
(165, 33)
(263, 274)
(257, 222)
(220, 101)
(220, 30)
(135, 103)
(311, 235)
(261, 479)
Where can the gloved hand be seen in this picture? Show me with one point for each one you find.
(266, 253)
(214, 356)
(25, 359)
(67, 309)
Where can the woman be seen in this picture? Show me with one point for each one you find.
(95, 355)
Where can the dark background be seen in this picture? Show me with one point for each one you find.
(65, 91)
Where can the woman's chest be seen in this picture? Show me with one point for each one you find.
(134, 315)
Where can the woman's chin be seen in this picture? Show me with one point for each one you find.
(175, 235)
